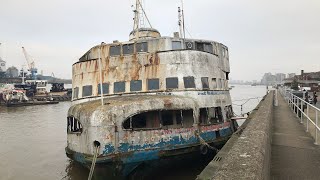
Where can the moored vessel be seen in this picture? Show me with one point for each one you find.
(149, 98)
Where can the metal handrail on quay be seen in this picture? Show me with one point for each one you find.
(298, 105)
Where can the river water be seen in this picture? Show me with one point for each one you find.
(32, 142)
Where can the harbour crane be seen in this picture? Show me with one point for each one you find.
(31, 64)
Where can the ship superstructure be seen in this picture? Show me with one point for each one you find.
(161, 97)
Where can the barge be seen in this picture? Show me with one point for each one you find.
(148, 98)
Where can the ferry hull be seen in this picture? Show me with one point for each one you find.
(125, 163)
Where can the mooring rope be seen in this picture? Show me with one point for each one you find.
(97, 146)
(203, 142)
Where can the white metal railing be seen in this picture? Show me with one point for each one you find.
(298, 105)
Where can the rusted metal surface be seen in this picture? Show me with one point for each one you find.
(104, 123)
(148, 66)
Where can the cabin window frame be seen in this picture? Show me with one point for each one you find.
(205, 83)
(128, 51)
(115, 86)
(75, 94)
(176, 45)
(215, 48)
(189, 82)
(105, 88)
(217, 116)
(133, 86)
(151, 83)
(169, 85)
(86, 91)
(229, 111)
(204, 46)
(74, 126)
(144, 49)
(177, 113)
(214, 83)
(112, 51)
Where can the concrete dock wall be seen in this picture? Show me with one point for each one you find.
(247, 156)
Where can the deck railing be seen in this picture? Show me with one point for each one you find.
(308, 113)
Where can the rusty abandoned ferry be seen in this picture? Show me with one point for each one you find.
(149, 98)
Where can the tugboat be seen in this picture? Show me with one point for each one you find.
(149, 98)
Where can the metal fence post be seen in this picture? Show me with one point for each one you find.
(307, 117)
(297, 107)
(301, 110)
(316, 142)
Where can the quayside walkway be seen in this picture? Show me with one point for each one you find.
(293, 152)
(273, 143)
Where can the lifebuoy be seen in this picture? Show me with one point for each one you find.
(203, 149)
(189, 45)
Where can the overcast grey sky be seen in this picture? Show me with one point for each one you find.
(262, 35)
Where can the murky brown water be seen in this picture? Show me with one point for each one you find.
(32, 142)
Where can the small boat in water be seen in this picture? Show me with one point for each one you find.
(17, 96)
(30, 103)
(147, 99)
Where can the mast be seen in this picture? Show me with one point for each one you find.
(184, 31)
(180, 22)
(136, 16)
(139, 15)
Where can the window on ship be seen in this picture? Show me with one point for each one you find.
(135, 85)
(86, 90)
(229, 112)
(160, 118)
(73, 125)
(153, 84)
(127, 49)
(176, 45)
(105, 88)
(119, 87)
(214, 83)
(115, 50)
(210, 115)
(189, 82)
(206, 47)
(144, 120)
(205, 83)
(76, 93)
(172, 83)
(142, 47)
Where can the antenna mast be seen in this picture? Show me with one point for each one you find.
(136, 16)
(180, 22)
(139, 15)
(184, 31)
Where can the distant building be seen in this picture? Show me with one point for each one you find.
(12, 72)
(310, 79)
(268, 79)
(291, 75)
(280, 77)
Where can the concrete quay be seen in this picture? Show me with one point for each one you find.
(293, 152)
(271, 144)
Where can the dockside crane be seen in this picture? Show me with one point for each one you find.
(31, 64)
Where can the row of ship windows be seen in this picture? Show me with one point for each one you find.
(165, 119)
(127, 49)
(152, 84)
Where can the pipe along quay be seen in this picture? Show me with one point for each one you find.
(279, 140)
